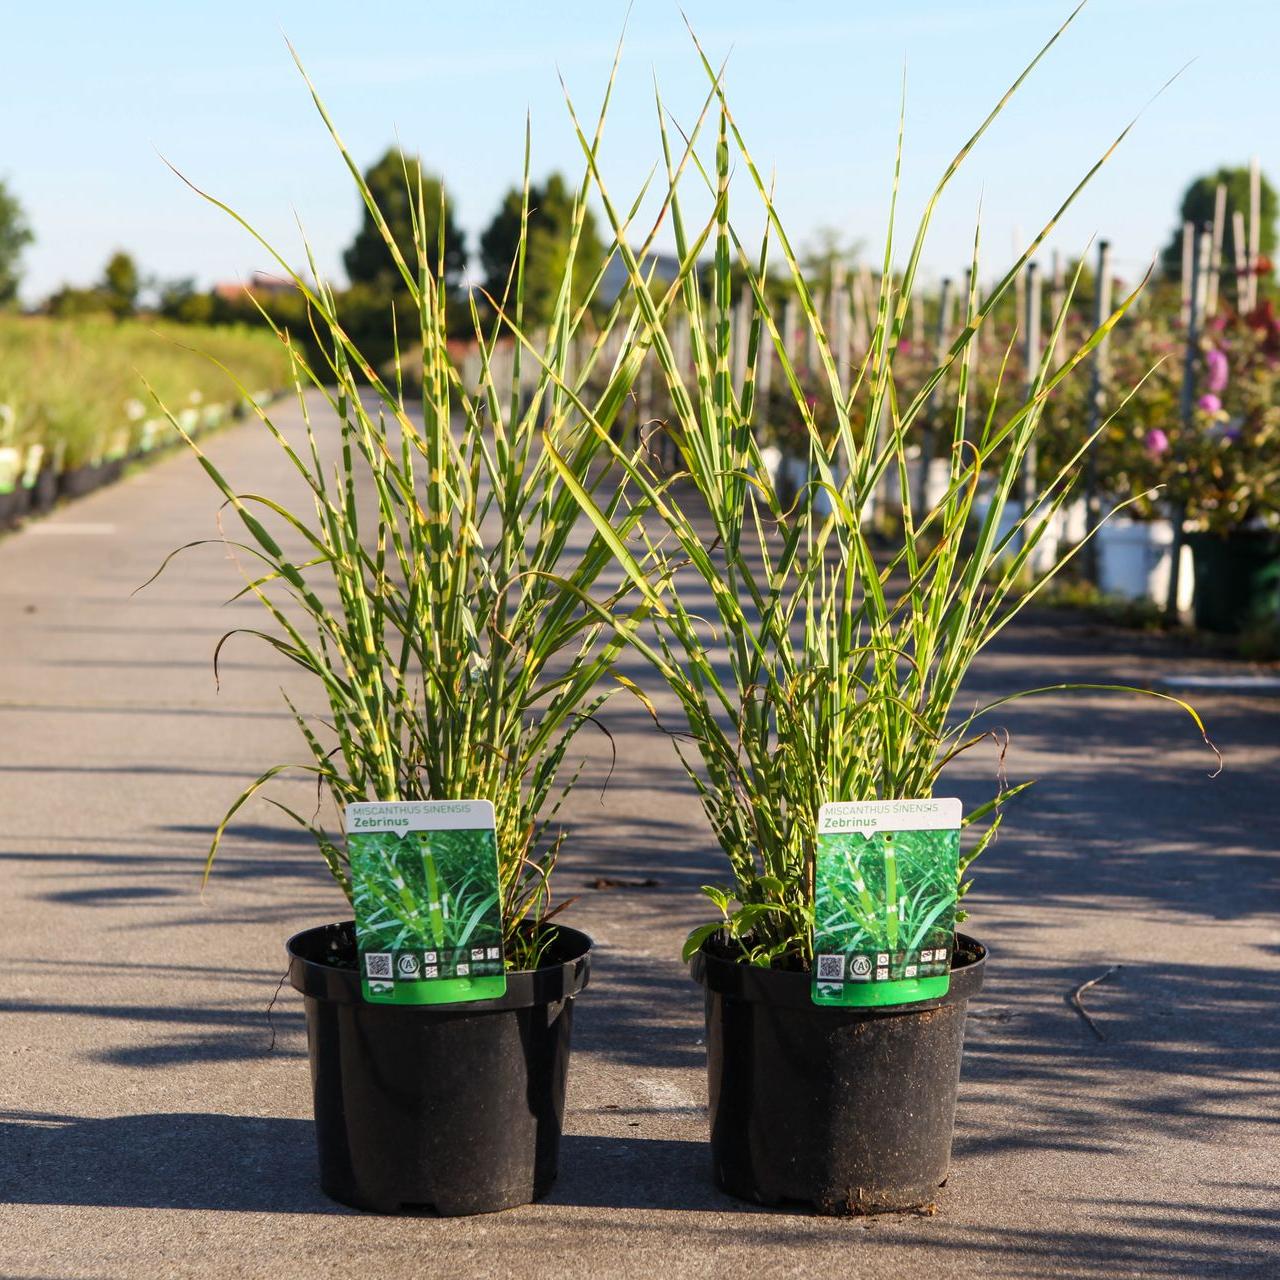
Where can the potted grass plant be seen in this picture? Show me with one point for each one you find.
(430, 593)
(812, 670)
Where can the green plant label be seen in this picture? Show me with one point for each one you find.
(885, 901)
(424, 884)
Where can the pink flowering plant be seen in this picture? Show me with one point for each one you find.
(1225, 469)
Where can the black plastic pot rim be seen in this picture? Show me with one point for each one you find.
(794, 989)
(568, 972)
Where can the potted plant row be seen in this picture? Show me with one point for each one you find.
(459, 633)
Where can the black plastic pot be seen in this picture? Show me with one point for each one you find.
(76, 482)
(13, 506)
(44, 493)
(1237, 579)
(456, 1108)
(846, 1110)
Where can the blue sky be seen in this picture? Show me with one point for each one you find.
(92, 95)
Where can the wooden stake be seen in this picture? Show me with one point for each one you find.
(813, 359)
(1240, 254)
(764, 368)
(1215, 261)
(1057, 292)
(789, 332)
(1020, 283)
(841, 330)
(862, 311)
(1097, 401)
(1188, 254)
(1203, 247)
(1255, 229)
(928, 427)
(680, 343)
(741, 330)
(1031, 356)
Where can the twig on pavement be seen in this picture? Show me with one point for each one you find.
(1079, 1004)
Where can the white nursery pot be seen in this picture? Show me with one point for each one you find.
(1045, 555)
(822, 502)
(1134, 559)
(936, 484)
(771, 460)
(1073, 521)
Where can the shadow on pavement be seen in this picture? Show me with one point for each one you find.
(170, 1160)
(637, 1173)
(178, 1035)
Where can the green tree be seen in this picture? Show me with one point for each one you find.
(180, 300)
(547, 248)
(1197, 208)
(71, 301)
(391, 180)
(120, 284)
(15, 235)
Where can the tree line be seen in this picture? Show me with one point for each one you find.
(373, 278)
(374, 281)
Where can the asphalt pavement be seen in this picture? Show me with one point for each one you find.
(155, 1122)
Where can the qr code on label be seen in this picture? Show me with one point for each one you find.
(830, 968)
(377, 964)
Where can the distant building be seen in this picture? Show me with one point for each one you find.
(665, 267)
(260, 284)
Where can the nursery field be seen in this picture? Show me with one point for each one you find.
(155, 1107)
(72, 392)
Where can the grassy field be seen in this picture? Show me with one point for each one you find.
(72, 391)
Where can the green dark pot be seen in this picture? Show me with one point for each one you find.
(1237, 579)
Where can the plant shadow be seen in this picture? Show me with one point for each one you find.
(609, 1172)
(167, 1160)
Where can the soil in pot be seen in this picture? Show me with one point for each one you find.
(452, 1108)
(844, 1110)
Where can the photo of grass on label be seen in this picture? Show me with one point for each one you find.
(426, 890)
(888, 892)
